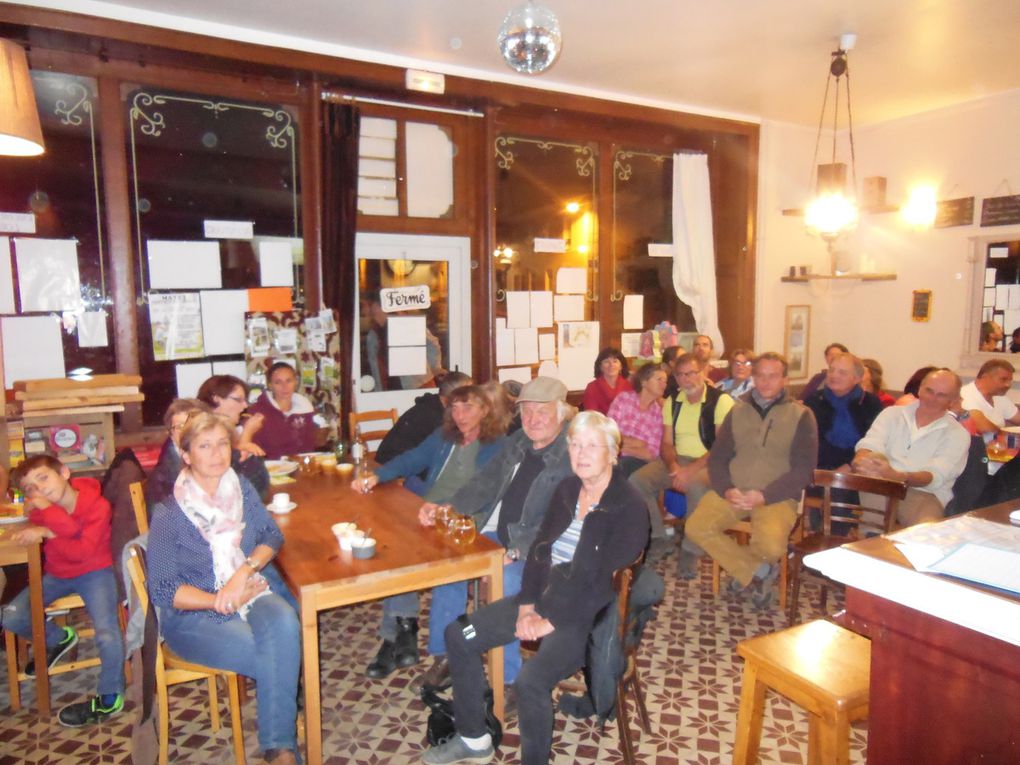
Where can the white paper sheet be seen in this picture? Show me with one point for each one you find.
(276, 265)
(541, 309)
(572, 280)
(228, 229)
(32, 348)
(505, 347)
(526, 345)
(405, 330)
(1001, 296)
(175, 320)
(547, 346)
(630, 344)
(633, 311)
(660, 250)
(184, 265)
(986, 313)
(520, 374)
(1010, 321)
(407, 360)
(223, 321)
(48, 274)
(1014, 297)
(989, 277)
(568, 307)
(998, 252)
(989, 297)
(518, 309)
(549, 245)
(17, 223)
(6, 277)
(575, 366)
(579, 334)
(548, 368)
(92, 330)
(235, 368)
(191, 376)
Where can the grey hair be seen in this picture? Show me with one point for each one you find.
(594, 420)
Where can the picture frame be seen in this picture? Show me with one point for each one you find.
(920, 306)
(797, 341)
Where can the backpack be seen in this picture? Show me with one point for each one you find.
(440, 727)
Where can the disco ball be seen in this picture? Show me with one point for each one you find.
(530, 39)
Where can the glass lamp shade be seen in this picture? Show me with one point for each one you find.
(20, 132)
(530, 39)
(830, 215)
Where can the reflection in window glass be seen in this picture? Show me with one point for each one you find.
(404, 312)
(1000, 312)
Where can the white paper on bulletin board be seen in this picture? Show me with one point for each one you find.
(184, 265)
(518, 309)
(633, 311)
(541, 309)
(505, 346)
(407, 360)
(572, 280)
(548, 368)
(579, 346)
(48, 274)
(520, 374)
(276, 264)
(568, 307)
(33, 349)
(92, 330)
(235, 368)
(526, 345)
(405, 330)
(6, 277)
(190, 377)
(223, 321)
(547, 346)
(630, 344)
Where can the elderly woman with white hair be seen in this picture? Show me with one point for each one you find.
(596, 523)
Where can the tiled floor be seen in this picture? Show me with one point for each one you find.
(689, 667)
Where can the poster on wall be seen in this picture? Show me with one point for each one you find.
(176, 322)
(796, 339)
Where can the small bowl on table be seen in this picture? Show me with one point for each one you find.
(363, 547)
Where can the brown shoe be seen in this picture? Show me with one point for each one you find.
(280, 757)
(436, 676)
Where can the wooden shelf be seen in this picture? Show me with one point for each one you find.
(796, 212)
(839, 277)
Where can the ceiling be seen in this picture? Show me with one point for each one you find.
(752, 59)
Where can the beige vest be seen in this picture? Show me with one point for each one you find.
(762, 445)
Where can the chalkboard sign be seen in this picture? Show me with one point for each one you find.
(1000, 211)
(921, 308)
(954, 212)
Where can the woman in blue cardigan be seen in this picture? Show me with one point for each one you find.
(471, 434)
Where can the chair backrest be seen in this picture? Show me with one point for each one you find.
(881, 519)
(137, 490)
(623, 581)
(373, 416)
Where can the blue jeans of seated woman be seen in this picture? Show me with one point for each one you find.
(267, 647)
(99, 591)
(448, 602)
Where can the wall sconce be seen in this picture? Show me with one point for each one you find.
(20, 132)
(920, 207)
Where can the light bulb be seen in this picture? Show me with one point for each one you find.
(830, 215)
(920, 207)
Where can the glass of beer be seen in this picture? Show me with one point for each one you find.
(462, 530)
(443, 515)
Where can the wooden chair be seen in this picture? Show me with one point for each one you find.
(861, 519)
(630, 680)
(820, 666)
(141, 510)
(373, 416)
(742, 531)
(173, 670)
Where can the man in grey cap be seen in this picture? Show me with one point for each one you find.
(508, 499)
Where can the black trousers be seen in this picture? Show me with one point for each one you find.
(560, 654)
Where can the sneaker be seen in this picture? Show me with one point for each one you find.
(761, 589)
(57, 652)
(436, 676)
(89, 712)
(687, 565)
(455, 750)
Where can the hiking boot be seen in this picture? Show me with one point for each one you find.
(455, 750)
(687, 565)
(56, 653)
(89, 712)
(405, 647)
(761, 589)
(436, 677)
(384, 662)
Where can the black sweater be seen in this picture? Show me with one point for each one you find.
(612, 536)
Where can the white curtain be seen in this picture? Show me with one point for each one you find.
(693, 244)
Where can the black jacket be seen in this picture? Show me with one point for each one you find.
(413, 427)
(863, 411)
(612, 536)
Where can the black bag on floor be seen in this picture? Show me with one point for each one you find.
(441, 728)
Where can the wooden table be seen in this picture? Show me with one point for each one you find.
(10, 554)
(945, 656)
(408, 557)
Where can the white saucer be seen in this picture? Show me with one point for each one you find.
(274, 509)
(1014, 517)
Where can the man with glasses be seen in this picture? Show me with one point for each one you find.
(508, 499)
(690, 420)
(740, 381)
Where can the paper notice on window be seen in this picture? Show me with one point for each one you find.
(541, 309)
(235, 368)
(576, 366)
(633, 311)
(518, 309)
(547, 346)
(998, 252)
(989, 298)
(520, 374)
(92, 330)
(17, 223)
(630, 344)
(223, 321)
(1013, 297)
(270, 299)
(1001, 296)
(572, 280)
(405, 330)
(33, 349)
(568, 307)
(276, 264)
(660, 250)
(989, 277)
(184, 265)
(548, 368)
(175, 320)
(579, 334)
(526, 345)
(190, 378)
(6, 277)
(229, 229)
(48, 274)
(505, 347)
(407, 360)
(550, 245)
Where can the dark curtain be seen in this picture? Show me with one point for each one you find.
(340, 127)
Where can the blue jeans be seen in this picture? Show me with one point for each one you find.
(267, 647)
(99, 591)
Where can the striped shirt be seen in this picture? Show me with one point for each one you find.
(565, 546)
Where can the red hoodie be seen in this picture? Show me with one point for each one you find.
(82, 541)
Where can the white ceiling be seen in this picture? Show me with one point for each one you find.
(746, 58)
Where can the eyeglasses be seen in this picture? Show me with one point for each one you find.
(744, 363)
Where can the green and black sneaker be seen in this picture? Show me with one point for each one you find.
(90, 712)
(56, 653)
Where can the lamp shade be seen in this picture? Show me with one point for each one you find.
(20, 132)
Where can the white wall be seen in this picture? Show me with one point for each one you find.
(972, 149)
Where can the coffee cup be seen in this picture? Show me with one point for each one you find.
(363, 547)
(281, 500)
(344, 533)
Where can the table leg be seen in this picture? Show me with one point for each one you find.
(42, 677)
(495, 578)
(313, 710)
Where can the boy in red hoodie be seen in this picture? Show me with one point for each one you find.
(72, 520)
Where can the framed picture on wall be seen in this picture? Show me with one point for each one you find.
(796, 340)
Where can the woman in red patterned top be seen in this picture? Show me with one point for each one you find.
(638, 414)
(610, 381)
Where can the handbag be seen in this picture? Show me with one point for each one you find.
(440, 727)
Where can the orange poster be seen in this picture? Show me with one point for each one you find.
(269, 299)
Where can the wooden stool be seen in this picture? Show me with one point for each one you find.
(818, 665)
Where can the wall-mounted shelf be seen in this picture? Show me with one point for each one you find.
(840, 277)
(796, 212)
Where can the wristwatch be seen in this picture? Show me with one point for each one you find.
(252, 563)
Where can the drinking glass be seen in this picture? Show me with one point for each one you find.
(362, 474)
(443, 515)
(462, 530)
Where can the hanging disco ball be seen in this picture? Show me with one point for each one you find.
(530, 39)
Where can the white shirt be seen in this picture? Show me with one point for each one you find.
(940, 448)
(997, 412)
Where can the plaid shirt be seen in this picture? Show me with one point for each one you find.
(646, 425)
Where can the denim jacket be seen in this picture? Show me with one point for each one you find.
(432, 454)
